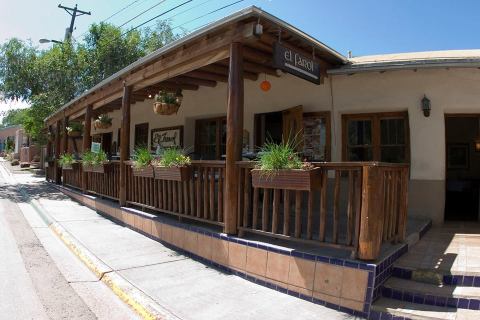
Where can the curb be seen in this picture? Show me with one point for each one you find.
(142, 304)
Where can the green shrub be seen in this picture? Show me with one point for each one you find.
(88, 158)
(172, 157)
(142, 158)
(66, 159)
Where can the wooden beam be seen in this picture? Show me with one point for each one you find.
(256, 68)
(234, 136)
(124, 144)
(195, 81)
(223, 70)
(87, 129)
(207, 75)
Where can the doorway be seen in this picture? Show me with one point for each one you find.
(462, 195)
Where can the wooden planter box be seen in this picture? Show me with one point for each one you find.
(173, 173)
(289, 179)
(74, 134)
(67, 167)
(98, 168)
(146, 172)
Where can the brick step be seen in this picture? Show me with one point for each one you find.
(432, 294)
(470, 279)
(385, 308)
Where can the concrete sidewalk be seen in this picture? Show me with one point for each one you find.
(184, 288)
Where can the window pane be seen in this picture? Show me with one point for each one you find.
(393, 154)
(392, 131)
(359, 132)
(360, 154)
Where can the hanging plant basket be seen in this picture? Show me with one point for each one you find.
(145, 172)
(173, 173)
(74, 134)
(289, 179)
(101, 125)
(165, 109)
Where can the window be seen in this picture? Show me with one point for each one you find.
(376, 137)
(211, 138)
(141, 135)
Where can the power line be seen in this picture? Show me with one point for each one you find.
(209, 13)
(143, 12)
(161, 14)
(121, 10)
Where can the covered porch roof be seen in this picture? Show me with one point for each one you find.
(201, 59)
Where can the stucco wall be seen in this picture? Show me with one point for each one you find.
(450, 91)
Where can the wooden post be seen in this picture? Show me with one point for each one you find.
(371, 214)
(124, 143)
(65, 136)
(403, 204)
(86, 141)
(234, 136)
(57, 170)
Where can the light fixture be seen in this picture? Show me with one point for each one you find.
(426, 106)
(179, 97)
(265, 85)
(149, 96)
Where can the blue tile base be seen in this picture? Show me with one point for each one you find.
(448, 279)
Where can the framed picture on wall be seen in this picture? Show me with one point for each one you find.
(458, 156)
(171, 137)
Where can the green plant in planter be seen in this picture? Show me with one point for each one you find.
(278, 156)
(172, 157)
(66, 159)
(104, 118)
(100, 158)
(74, 127)
(142, 158)
(90, 158)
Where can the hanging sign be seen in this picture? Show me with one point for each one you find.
(295, 63)
(96, 147)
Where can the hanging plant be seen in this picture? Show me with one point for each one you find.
(167, 103)
(74, 129)
(103, 122)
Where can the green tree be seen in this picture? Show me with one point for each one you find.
(47, 79)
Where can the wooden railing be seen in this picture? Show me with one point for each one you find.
(50, 170)
(199, 198)
(341, 213)
(356, 205)
(73, 177)
(105, 184)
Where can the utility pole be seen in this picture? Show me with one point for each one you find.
(73, 12)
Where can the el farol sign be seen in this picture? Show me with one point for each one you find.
(295, 63)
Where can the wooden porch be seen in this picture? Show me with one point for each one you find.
(370, 197)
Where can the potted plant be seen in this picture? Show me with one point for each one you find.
(142, 163)
(173, 165)
(280, 167)
(167, 103)
(66, 161)
(74, 129)
(103, 122)
(95, 162)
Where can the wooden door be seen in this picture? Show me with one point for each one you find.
(293, 126)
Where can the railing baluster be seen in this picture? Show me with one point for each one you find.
(298, 214)
(276, 209)
(199, 192)
(350, 205)
(192, 196)
(336, 207)
(256, 192)
(205, 193)
(286, 212)
(212, 194)
(265, 209)
(246, 197)
(323, 205)
(186, 210)
(174, 196)
(309, 214)
(220, 195)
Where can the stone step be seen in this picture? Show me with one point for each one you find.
(432, 294)
(467, 279)
(384, 307)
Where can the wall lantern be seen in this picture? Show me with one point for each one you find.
(426, 106)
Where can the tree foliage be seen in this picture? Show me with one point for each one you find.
(47, 79)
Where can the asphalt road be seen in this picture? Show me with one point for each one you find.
(39, 277)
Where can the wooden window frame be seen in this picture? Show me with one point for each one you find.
(376, 134)
(328, 130)
(218, 142)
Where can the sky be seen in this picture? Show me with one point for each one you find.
(362, 26)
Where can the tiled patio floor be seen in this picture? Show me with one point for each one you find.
(452, 248)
